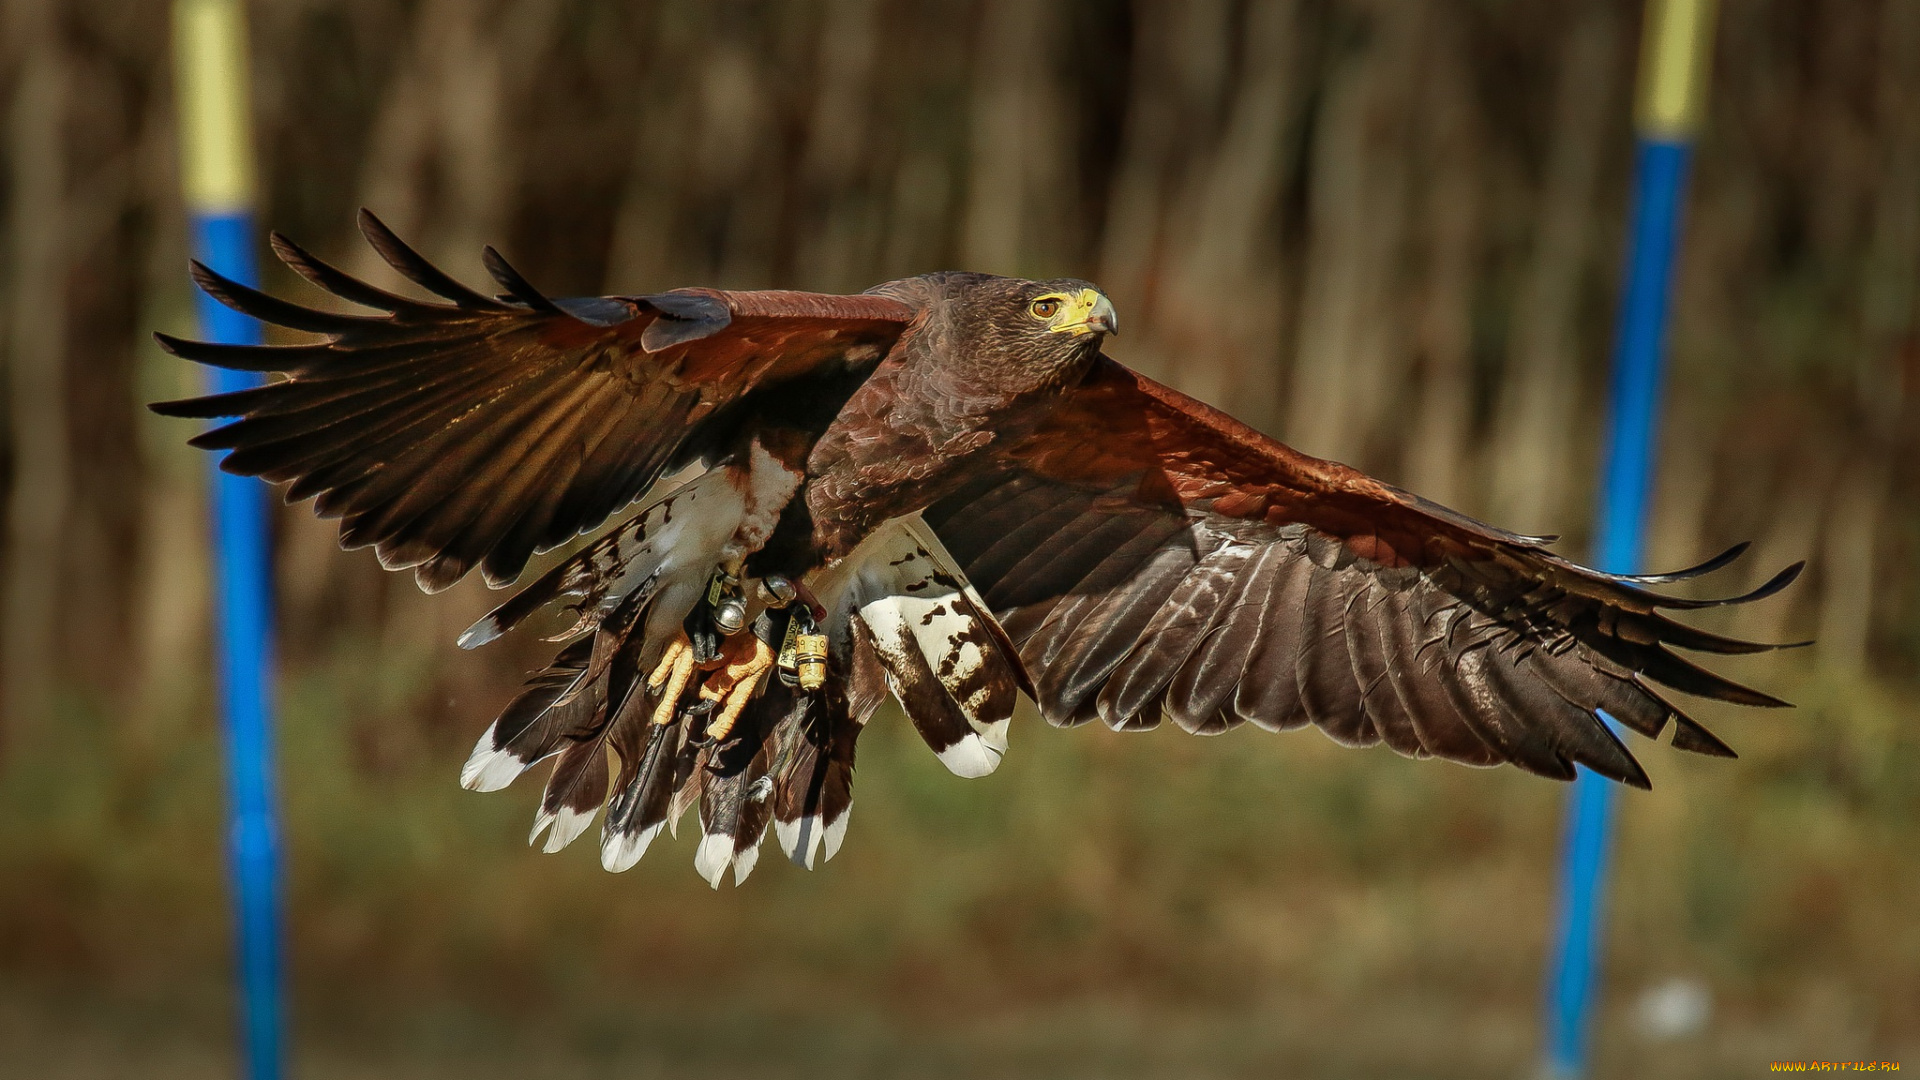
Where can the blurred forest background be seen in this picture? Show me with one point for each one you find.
(1385, 230)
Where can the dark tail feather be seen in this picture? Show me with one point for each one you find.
(736, 792)
(574, 793)
(812, 791)
(531, 727)
(639, 806)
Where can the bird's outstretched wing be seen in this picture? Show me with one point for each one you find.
(1150, 556)
(478, 431)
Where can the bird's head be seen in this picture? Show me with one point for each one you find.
(1026, 334)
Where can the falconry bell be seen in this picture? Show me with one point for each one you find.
(730, 615)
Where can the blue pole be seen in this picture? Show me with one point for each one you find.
(210, 71)
(1672, 71)
(244, 635)
(1626, 483)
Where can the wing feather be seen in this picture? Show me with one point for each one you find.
(1093, 647)
(1200, 696)
(1268, 694)
(1368, 648)
(477, 431)
(1150, 555)
(1401, 624)
(1328, 692)
(1140, 681)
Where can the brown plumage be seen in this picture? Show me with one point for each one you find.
(972, 504)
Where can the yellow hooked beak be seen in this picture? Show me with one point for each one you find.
(1085, 312)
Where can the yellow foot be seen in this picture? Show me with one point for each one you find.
(673, 672)
(747, 658)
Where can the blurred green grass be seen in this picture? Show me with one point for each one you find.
(1104, 905)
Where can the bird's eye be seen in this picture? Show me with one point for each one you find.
(1047, 307)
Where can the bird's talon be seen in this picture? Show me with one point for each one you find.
(668, 659)
(734, 684)
(721, 728)
(670, 678)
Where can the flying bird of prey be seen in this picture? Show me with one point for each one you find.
(939, 488)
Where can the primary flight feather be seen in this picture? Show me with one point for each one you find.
(938, 489)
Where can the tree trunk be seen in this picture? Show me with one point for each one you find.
(1532, 449)
(1225, 258)
(836, 251)
(1351, 355)
(1180, 47)
(1436, 463)
(39, 497)
(1849, 573)
(1012, 125)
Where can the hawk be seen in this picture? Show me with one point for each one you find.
(939, 489)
